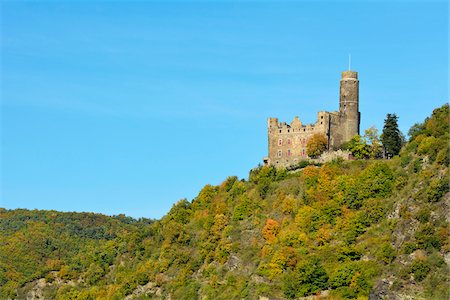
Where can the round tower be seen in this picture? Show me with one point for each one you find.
(349, 105)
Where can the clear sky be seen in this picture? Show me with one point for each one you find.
(127, 107)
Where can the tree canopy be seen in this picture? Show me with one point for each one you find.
(391, 136)
(316, 145)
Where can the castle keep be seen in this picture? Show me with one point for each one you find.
(287, 142)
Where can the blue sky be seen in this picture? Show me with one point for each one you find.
(127, 107)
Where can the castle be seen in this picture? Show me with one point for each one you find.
(287, 142)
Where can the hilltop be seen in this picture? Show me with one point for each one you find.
(346, 229)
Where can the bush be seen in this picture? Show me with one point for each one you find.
(386, 253)
(426, 238)
(405, 160)
(417, 165)
(437, 189)
(443, 157)
(420, 270)
(423, 215)
(409, 248)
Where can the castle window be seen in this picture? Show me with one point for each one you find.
(304, 129)
(289, 152)
(280, 142)
(289, 141)
(280, 130)
(288, 130)
(321, 122)
(321, 118)
(279, 153)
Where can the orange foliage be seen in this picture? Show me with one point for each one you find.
(270, 230)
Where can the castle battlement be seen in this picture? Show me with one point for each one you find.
(287, 142)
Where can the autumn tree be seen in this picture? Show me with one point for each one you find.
(270, 230)
(316, 145)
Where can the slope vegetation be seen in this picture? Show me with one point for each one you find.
(346, 229)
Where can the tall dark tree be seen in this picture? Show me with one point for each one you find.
(391, 138)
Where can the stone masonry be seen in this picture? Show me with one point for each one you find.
(287, 142)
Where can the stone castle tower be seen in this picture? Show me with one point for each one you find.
(287, 142)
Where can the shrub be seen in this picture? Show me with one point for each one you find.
(405, 160)
(443, 157)
(420, 270)
(426, 238)
(437, 189)
(386, 253)
(417, 165)
(409, 247)
(423, 215)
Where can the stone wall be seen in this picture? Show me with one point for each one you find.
(287, 142)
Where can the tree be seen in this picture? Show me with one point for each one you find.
(391, 136)
(270, 230)
(358, 147)
(372, 139)
(367, 146)
(308, 278)
(316, 145)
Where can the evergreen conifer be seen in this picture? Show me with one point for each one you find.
(391, 137)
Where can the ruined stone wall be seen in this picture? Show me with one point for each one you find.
(287, 142)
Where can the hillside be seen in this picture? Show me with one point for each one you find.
(346, 229)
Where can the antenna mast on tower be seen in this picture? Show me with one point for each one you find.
(349, 61)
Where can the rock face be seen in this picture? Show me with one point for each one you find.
(287, 142)
(149, 289)
(381, 291)
(37, 292)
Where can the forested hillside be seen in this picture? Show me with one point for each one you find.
(346, 229)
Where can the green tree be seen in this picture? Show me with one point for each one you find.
(308, 278)
(358, 147)
(391, 136)
(372, 139)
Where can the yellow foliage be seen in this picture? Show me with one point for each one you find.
(304, 217)
(220, 222)
(354, 280)
(316, 145)
(324, 234)
(288, 205)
